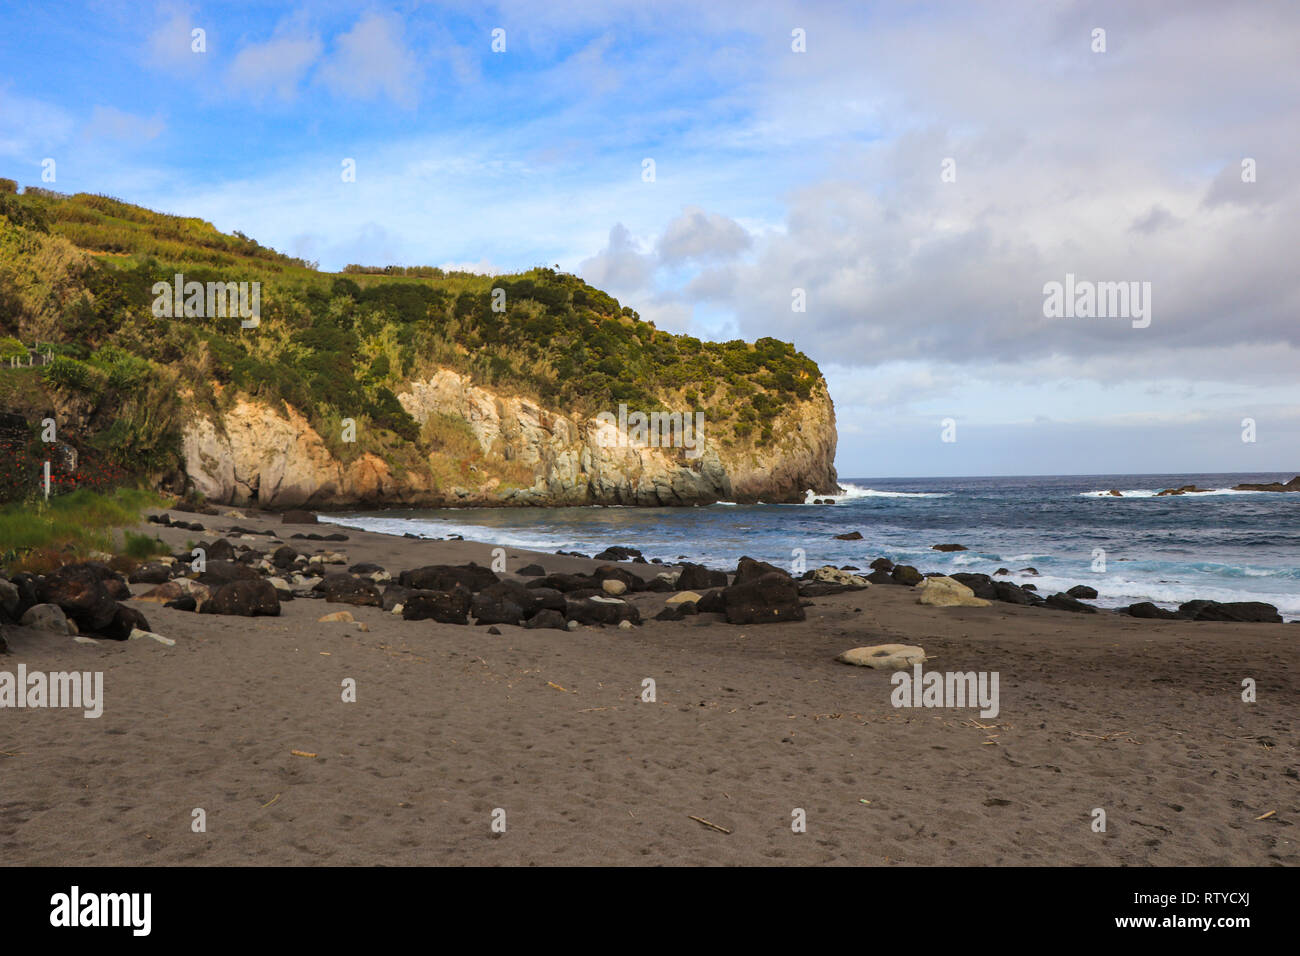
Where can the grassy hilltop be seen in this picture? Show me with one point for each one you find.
(76, 278)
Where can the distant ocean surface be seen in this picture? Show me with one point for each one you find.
(1224, 545)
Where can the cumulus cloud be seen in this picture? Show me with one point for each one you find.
(700, 235)
(372, 60)
(275, 68)
(621, 266)
(110, 123)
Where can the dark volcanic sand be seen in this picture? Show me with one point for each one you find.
(1141, 718)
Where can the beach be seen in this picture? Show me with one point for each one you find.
(243, 719)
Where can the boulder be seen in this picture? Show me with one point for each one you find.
(80, 591)
(446, 607)
(981, 585)
(442, 577)
(10, 599)
(1145, 609)
(889, 657)
(506, 602)
(125, 621)
(712, 602)
(943, 591)
(696, 577)
(750, 570)
(619, 553)
(547, 618)
(1011, 594)
(338, 617)
(531, 571)
(881, 564)
(1253, 612)
(47, 617)
(768, 599)
(1115, 494)
(1063, 602)
(1292, 485)
(850, 536)
(284, 557)
(682, 597)
(220, 550)
(298, 517)
(906, 574)
(345, 589)
(832, 575)
(223, 572)
(613, 587)
(1083, 592)
(245, 598)
(948, 547)
(151, 573)
(601, 610)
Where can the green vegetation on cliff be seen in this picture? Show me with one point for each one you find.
(76, 279)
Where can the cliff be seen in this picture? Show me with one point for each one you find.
(253, 453)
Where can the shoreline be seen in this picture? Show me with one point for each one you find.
(452, 722)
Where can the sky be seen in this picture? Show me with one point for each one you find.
(914, 174)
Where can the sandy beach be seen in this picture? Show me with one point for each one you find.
(1141, 718)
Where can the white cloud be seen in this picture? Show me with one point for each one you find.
(275, 68)
(371, 60)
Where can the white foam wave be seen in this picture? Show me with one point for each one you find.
(1155, 493)
(853, 492)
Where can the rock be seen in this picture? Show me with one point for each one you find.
(906, 574)
(1011, 594)
(889, 657)
(126, 620)
(750, 570)
(625, 625)
(882, 564)
(547, 618)
(442, 577)
(613, 587)
(1029, 587)
(948, 547)
(981, 585)
(223, 572)
(284, 557)
(338, 617)
(712, 602)
(1001, 571)
(298, 517)
(1253, 612)
(175, 588)
(832, 575)
(186, 602)
(394, 595)
(1145, 609)
(572, 625)
(220, 550)
(1083, 591)
(696, 577)
(446, 607)
(1182, 490)
(494, 630)
(10, 598)
(943, 591)
(851, 536)
(631, 581)
(617, 553)
(1063, 602)
(601, 610)
(531, 571)
(768, 599)
(506, 602)
(80, 591)
(343, 588)
(151, 573)
(1115, 494)
(245, 598)
(46, 617)
(1033, 571)
(1292, 485)
(681, 597)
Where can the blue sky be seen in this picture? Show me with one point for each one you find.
(775, 170)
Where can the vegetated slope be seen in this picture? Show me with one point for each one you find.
(456, 393)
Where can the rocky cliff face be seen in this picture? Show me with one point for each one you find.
(254, 454)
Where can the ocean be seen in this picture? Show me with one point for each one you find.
(1222, 545)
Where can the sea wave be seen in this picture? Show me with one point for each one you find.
(852, 492)
(1155, 493)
